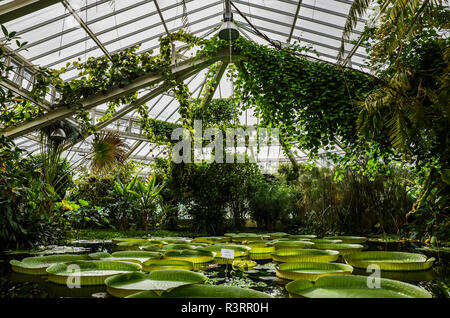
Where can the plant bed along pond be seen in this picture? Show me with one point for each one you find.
(261, 277)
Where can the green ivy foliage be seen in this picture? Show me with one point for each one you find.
(311, 102)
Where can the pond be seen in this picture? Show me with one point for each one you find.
(262, 277)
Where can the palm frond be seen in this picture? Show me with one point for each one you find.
(358, 8)
(108, 149)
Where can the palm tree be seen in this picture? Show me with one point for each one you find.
(108, 150)
(400, 21)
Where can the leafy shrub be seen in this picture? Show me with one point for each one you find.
(26, 216)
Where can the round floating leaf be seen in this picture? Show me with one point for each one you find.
(276, 235)
(150, 248)
(352, 286)
(205, 291)
(88, 272)
(409, 277)
(260, 248)
(120, 240)
(158, 281)
(177, 240)
(311, 270)
(239, 250)
(138, 257)
(303, 236)
(38, 265)
(160, 264)
(305, 255)
(390, 261)
(243, 264)
(248, 237)
(342, 248)
(348, 239)
(194, 256)
(174, 247)
(326, 241)
(282, 245)
(211, 239)
(260, 256)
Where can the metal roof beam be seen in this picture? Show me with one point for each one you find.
(182, 68)
(85, 28)
(295, 21)
(19, 8)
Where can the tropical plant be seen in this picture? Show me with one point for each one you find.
(126, 204)
(25, 204)
(398, 22)
(148, 197)
(108, 149)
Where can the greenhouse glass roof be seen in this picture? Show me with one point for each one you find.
(64, 31)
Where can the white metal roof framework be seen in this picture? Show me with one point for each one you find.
(62, 31)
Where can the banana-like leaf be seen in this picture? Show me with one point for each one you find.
(159, 264)
(390, 261)
(38, 265)
(353, 286)
(305, 255)
(342, 248)
(194, 256)
(282, 245)
(348, 239)
(311, 270)
(158, 281)
(205, 291)
(88, 272)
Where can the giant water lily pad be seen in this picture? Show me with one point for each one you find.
(348, 239)
(132, 239)
(194, 256)
(352, 286)
(184, 246)
(261, 247)
(390, 261)
(302, 236)
(88, 272)
(248, 237)
(158, 281)
(311, 270)
(205, 291)
(325, 241)
(305, 255)
(342, 248)
(159, 264)
(239, 250)
(277, 235)
(138, 257)
(38, 265)
(211, 239)
(282, 245)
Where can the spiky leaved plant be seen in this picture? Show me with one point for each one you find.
(108, 150)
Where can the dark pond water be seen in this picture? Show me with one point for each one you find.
(262, 277)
